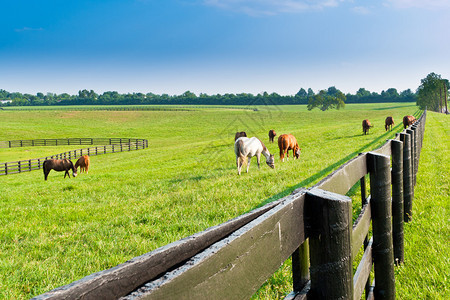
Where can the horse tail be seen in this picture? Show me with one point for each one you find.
(238, 147)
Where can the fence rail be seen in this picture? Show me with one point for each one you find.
(314, 226)
(109, 145)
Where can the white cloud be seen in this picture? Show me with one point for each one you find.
(362, 10)
(272, 7)
(429, 4)
(28, 29)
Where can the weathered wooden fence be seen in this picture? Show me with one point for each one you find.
(109, 145)
(314, 226)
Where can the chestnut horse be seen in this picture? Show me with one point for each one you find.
(388, 123)
(408, 120)
(59, 165)
(239, 134)
(83, 162)
(272, 134)
(288, 142)
(366, 126)
(248, 147)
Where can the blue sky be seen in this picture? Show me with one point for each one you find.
(221, 46)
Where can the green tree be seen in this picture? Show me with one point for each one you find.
(326, 99)
(432, 92)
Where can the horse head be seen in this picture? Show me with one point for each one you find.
(297, 151)
(74, 170)
(270, 161)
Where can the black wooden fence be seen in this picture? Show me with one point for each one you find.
(314, 226)
(109, 145)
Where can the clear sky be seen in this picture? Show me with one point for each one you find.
(221, 46)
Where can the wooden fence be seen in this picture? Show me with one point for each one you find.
(313, 226)
(109, 145)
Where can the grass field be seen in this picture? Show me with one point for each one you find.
(55, 232)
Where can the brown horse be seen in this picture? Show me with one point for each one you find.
(239, 134)
(366, 126)
(388, 123)
(408, 120)
(59, 165)
(83, 162)
(272, 134)
(288, 142)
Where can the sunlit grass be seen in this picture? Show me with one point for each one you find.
(55, 232)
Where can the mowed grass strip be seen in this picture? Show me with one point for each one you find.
(425, 273)
(55, 232)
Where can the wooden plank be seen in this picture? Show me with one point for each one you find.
(237, 266)
(124, 278)
(362, 272)
(302, 295)
(385, 149)
(360, 229)
(341, 180)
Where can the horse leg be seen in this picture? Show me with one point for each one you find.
(258, 158)
(66, 173)
(239, 165)
(281, 155)
(46, 173)
(248, 163)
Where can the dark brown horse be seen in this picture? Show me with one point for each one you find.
(240, 134)
(59, 165)
(272, 134)
(389, 123)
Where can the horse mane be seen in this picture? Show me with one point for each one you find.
(264, 146)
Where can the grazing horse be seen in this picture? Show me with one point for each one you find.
(249, 147)
(388, 123)
(239, 134)
(272, 134)
(408, 120)
(288, 142)
(83, 162)
(59, 165)
(366, 126)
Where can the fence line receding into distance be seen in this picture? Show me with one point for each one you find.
(109, 145)
(313, 226)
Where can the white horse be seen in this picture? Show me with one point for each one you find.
(249, 147)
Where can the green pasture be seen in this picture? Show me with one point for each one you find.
(57, 231)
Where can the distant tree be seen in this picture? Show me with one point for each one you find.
(302, 93)
(362, 93)
(326, 99)
(432, 91)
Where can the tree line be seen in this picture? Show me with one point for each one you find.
(89, 97)
(432, 93)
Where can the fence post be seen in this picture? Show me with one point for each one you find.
(413, 167)
(300, 266)
(381, 206)
(416, 151)
(407, 177)
(397, 200)
(330, 233)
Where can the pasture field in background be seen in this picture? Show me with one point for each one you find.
(57, 231)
